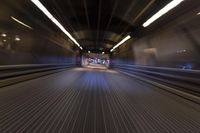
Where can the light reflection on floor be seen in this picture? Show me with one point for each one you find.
(96, 67)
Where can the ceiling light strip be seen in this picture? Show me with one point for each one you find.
(20, 22)
(120, 43)
(50, 16)
(163, 11)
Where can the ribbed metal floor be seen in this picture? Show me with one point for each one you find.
(94, 101)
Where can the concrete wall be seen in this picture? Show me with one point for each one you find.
(175, 44)
(33, 49)
(43, 44)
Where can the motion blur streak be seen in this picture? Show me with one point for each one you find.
(48, 14)
(88, 100)
(164, 10)
(122, 77)
(121, 42)
(20, 22)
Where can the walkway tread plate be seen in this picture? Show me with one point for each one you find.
(85, 100)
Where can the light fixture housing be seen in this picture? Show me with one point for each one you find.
(163, 11)
(50, 16)
(121, 42)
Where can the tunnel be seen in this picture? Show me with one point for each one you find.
(100, 66)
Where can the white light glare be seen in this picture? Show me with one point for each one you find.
(120, 43)
(50, 16)
(89, 52)
(198, 13)
(17, 39)
(163, 11)
(3, 35)
(20, 22)
(103, 52)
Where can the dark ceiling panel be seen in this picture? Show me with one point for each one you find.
(100, 23)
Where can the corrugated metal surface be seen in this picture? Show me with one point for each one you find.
(94, 101)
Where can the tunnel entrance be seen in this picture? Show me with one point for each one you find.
(95, 60)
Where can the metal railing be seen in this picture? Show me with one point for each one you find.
(184, 80)
(11, 74)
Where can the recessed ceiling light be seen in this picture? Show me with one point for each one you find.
(3, 35)
(17, 38)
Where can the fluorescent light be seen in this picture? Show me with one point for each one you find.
(50, 16)
(17, 39)
(3, 35)
(81, 47)
(20, 22)
(120, 43)
(163, 11)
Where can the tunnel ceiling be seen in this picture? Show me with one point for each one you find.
(97, 25)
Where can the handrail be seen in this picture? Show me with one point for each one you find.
(8, 67)
(186, 80)
(161, 68)
(18, 73)
(173, 71)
